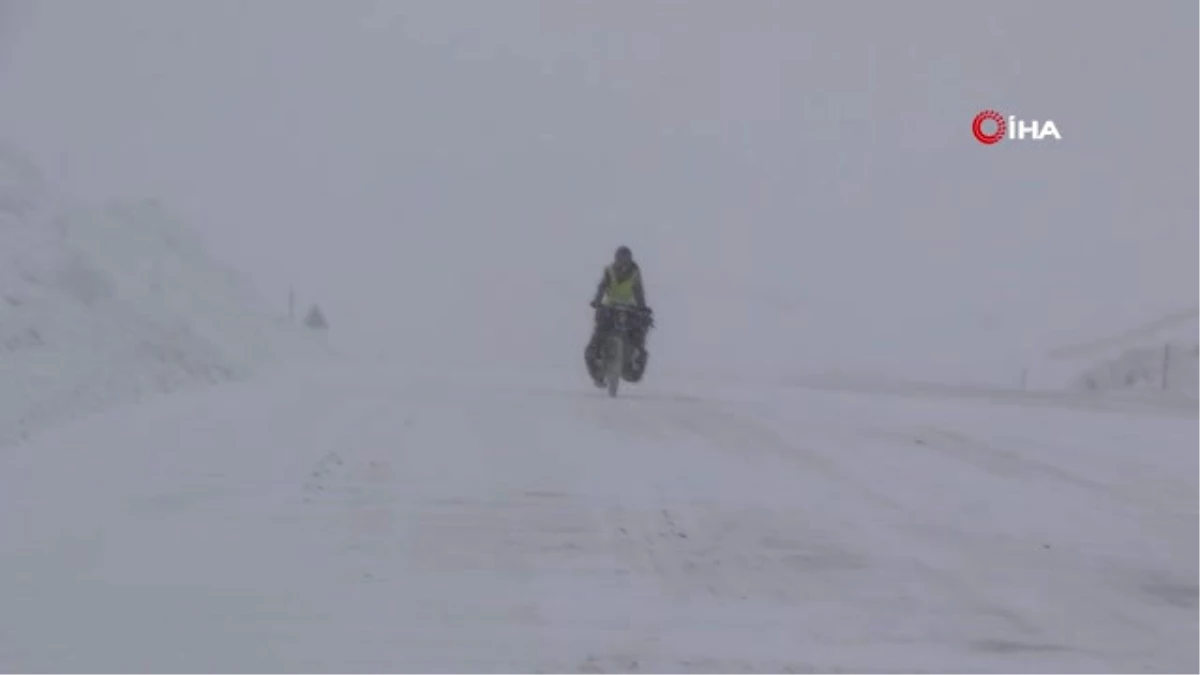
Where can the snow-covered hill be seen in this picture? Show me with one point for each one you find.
(1155, 359)
(1169, 369)
(100, 306)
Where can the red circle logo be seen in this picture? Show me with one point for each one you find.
(995, 136)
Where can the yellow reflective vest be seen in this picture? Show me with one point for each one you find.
(621, 291)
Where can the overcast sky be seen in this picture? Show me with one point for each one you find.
(804, 168)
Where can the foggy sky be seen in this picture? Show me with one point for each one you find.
(797, 178)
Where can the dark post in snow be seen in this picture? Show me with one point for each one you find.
(1166, 364)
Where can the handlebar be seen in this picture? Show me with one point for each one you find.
(623, 308)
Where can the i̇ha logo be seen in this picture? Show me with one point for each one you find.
(990, 126)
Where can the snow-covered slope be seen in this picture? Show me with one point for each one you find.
(1157, 358)
(1170, 369)
(361, 520)
(103, 306)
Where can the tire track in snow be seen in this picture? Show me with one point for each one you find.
(350, 487)
(746, 554)
(818, 535)
(1036, 548)
(722, 427)
(993, 459)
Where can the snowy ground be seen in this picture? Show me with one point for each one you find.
(354, 520)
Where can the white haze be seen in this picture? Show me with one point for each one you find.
(797, 179)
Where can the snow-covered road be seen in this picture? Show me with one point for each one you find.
(361, 519)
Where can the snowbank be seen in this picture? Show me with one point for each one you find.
(101, 307)
(1170, 368)
(1157, 358)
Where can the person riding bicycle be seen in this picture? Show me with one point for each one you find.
(621, 284)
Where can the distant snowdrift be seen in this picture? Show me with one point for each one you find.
(1158, 357)
(99, 307)
(1169, 368)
